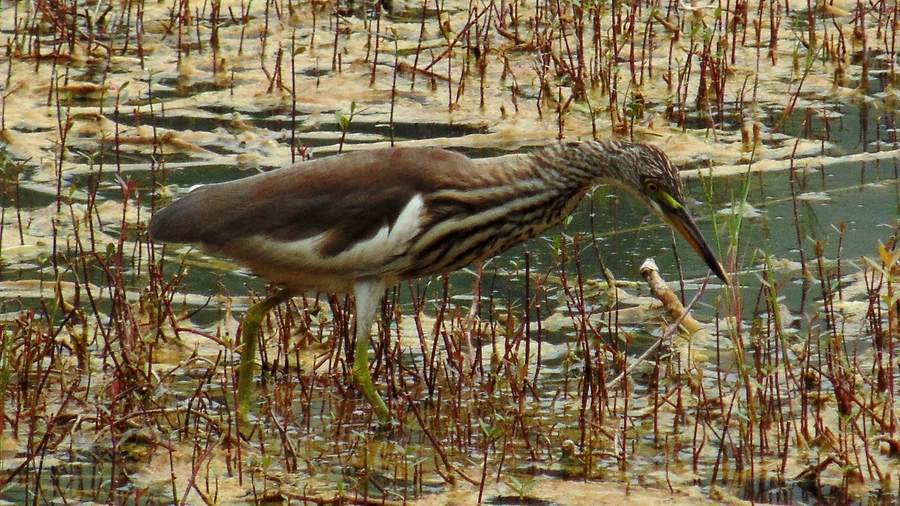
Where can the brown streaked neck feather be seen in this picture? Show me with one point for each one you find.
(591, 162)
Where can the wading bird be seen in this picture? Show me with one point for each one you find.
(362, 222)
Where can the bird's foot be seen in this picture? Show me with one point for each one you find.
(366, 386)
(385, 430)
(249, 336)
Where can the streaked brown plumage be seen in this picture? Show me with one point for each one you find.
(360, 222)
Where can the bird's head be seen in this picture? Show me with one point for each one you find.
(647, 172)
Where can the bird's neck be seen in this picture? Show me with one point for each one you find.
(580, 164)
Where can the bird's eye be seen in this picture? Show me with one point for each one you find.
(651, 186)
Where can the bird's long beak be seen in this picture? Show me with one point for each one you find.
(682, 221)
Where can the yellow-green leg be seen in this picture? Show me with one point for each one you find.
(249, 336)
(368, 294)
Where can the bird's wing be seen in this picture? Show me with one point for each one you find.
(357, 209)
